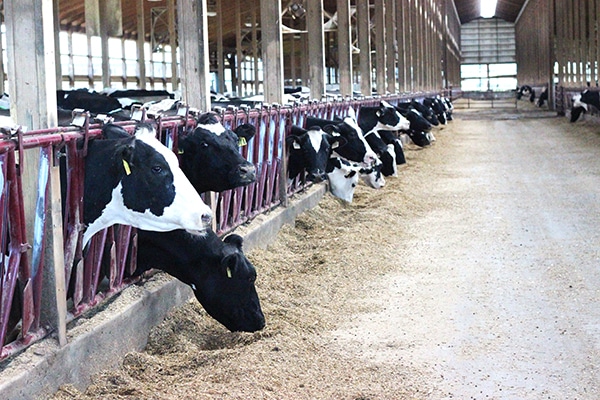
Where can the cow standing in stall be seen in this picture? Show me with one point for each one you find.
(582, 103)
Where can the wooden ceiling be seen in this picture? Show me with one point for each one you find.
(72, 14)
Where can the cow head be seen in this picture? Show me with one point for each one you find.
(210, 155)
(343, 178)
(578, 107)
(309, 149)
(136, 180)
(220, 275)
(372, 176)
(227, 291)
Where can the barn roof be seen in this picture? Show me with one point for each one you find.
(72, 14)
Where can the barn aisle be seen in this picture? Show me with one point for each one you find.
(499, 291)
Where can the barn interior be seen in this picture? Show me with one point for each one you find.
(255, 60)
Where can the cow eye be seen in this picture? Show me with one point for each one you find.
(157, 169)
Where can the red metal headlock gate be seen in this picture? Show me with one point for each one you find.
(107, 266)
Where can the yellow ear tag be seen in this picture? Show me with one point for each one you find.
(228, 272)
(242, 142)
(179, 151)
(126, 166)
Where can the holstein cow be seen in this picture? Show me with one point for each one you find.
(582, 103)
(438, 108)
(526, 90)
(343, 178)
(210, 156)
(356, 148)
(220, 275)
(367, 164)
(93, 102)
(426, 112)
(384, 117)
(309, 149)
(136, 180)
(420, 128)
(543, 97)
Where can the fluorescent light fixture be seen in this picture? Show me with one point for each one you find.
(488, 8)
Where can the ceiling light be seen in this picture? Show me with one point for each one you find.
(488, 8)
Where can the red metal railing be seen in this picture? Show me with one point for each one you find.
(108, 263)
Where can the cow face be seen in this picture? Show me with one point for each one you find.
(386, 154)
(309, 150)
(394, 144)
(426, 112)
(227, 291)
(578, 108)
(355, 147)
(389, 118)
(220, 275)
(342, 177)
(210, 156)
(135, 180)
(372, 176)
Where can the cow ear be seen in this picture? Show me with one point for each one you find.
(126, 152)
(235, 240)
(245, 131)
(292, 141)
(336, 141)
(332, 129)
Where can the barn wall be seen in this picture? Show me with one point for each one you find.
(533, 51)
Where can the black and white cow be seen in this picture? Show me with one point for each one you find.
(526, 91)
(343, 177)
(93, 102)
(309, 149)
(582, 103)
(543, 97)
(356, 148)
(438, 108)
(394, 144)
(136, 180)
(210, 155)
(420, 128)
(220, 275)
(426, 112)
(384, 117)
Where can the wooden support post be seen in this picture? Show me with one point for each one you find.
(390, 45)
(380, 67)
(141, 40)
(344, 47)
(239, 55)
(272, 50)
(195, 87)
(364, 44)
(220, 51)
(316, 48)
(173, 44)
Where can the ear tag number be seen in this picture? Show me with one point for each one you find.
(127, 168)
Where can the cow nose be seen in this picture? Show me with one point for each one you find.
(206, 218)
(247, 169)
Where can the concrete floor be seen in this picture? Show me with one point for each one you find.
(500, 293)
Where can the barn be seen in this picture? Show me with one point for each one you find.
(195, 102)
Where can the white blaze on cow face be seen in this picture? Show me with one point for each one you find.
(402, 125)
(187, 211)
(578, 103)
(343, 180)
(316, 138)
(217, 129)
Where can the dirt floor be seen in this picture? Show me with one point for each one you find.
(472, 275)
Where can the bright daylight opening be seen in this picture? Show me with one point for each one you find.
(488, 8)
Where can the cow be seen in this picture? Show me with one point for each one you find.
(543, 97)
(135, 180)
(309, 149)
(438, 108)
(384, 117)
(220, 275)
(355, 148)
(526, 90)
(582, 103)
(343, 177)
(426, 112)
(210, 156)
(93, 102)
(420, 128)
(391, 139)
